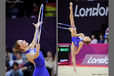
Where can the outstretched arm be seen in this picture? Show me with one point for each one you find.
(37, 51)
(33, 43)
(79, 48)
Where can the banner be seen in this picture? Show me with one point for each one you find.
(91, 11)
(95, 59)
(92, 54)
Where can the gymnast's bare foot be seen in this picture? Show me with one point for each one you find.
(70, 5)
(74, 69)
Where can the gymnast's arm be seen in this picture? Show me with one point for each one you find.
(37, 51)
(33, 43)
(79, 48)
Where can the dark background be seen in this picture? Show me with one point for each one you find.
(25, 7)
(22, 28)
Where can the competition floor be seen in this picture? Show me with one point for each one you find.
(67, 70)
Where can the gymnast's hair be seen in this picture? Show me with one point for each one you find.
(17, 47)
(87, 42)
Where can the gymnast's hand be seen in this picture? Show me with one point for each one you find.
(81, 34)
(37, 24)
(38, 46)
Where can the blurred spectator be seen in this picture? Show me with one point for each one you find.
(35, 10)
(15, 71)
(19, 60)
(16, 57)
(13, 54)
(106, 35)
(106, 32)
(49, 62)
(46, 1)
(12, 57)
(23, 57)
(13, 10)
(14, 1)
(107, 39)
(7, 72)
(28, 68)
(26, 8)
(94, 40)
(101, 39)
(7, 59)
(54, 69)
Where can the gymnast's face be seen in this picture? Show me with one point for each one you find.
(23, 44)
(86, 38)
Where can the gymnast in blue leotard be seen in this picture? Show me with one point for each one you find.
(33, 54)
(77, 39)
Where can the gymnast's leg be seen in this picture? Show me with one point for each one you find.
(72, 29)
(73, 51)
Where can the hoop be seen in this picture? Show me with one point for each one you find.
(40, 19)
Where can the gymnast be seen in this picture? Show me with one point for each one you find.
(77, 39)
(33, 53)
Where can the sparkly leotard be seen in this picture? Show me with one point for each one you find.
(40, 69)
(76, 40)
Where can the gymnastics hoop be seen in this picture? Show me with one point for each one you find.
(40, 19)
(63, 28)
(64, 25)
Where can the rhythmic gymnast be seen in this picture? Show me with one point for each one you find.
(33, 53)
(77, 39)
